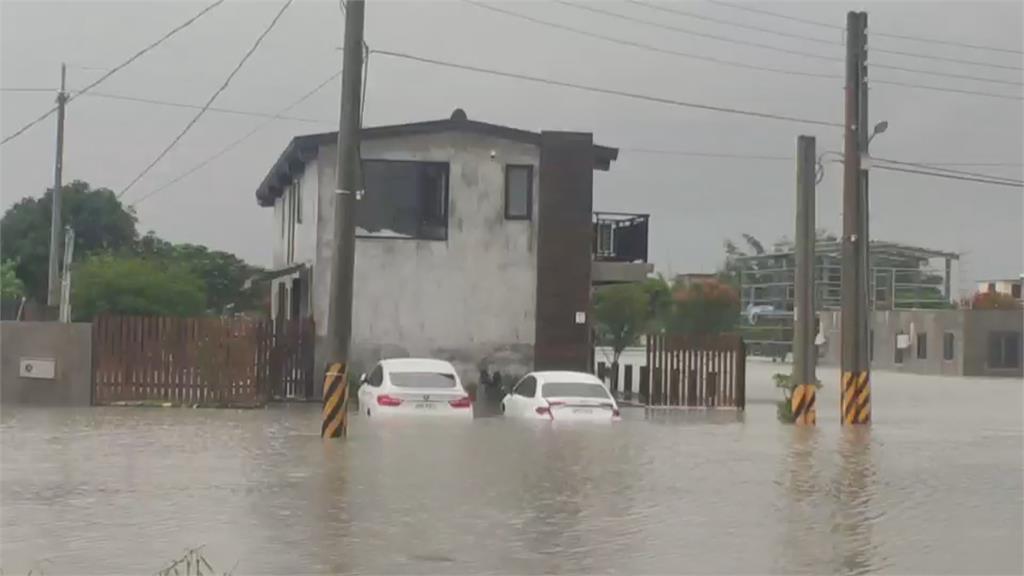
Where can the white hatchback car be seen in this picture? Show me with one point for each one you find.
(411, 387)
(559, 396)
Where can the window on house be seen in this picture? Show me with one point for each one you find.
(404, 200)
(605, 239)
(297, 190)
(897, 357)
(922, 346)
(1015, 290)
(518, 192)
(991, 287)
(1004, 350)
(948, 341)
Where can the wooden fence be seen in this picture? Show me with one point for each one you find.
(291, 360)
(707, 372)
(207, 361)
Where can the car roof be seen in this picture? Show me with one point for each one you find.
(565, 376)
(417, 365)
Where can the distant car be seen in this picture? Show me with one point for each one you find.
(559, 396)
(413, 387)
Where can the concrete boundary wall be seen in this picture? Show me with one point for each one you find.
(68, 345)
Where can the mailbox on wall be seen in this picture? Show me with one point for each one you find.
(42, 368)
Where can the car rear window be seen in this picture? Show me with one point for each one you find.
(573, 389)
(422, 380)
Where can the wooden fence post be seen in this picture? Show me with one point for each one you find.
(627, 383)
(645, 385)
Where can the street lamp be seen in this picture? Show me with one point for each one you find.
(879, 128)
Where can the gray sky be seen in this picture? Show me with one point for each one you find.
(696, 202)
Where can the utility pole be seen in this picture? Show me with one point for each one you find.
(348, 188)
(804, 351)
(56, 223)
(856, 386)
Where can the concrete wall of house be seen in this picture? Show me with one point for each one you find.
(978, 325)
(69, 345)
(299, 245)
(887, 325)
(470, 299)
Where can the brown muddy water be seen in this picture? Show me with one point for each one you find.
(933, 486)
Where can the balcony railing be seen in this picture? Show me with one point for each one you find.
(620, 237)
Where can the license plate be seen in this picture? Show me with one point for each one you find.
(582, 411)
(425, 406)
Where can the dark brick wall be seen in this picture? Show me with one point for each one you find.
(565, 204)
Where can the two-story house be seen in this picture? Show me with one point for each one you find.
(475, 243)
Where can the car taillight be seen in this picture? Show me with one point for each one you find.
(543, 410)
(385, 400)
(615, 412)
(463, 402)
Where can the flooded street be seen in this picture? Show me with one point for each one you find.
(934, 486)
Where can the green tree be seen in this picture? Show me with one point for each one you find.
(223, 274)
(659, 302)
(135, 286)
(622, 314)
(10, 285)
(704, 308)
(100, 221)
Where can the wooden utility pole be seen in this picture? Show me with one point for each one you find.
(856, 386)
(804, 351)
(56, 223)
(348, 188)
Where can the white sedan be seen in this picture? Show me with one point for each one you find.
(413, 387)
(559, 396)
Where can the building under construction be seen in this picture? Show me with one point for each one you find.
(902, 277)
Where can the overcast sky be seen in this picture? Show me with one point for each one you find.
(696, 202)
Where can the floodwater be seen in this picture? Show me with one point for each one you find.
(934, 486)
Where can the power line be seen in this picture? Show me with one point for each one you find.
(120, 66)
(727, 22)
(947, 74)
(209, 102)
(28, 89)
(1012, 184)
(944, 89)
(278, 116)
(723, 61)
(608, 91)
(216, 109)
(764, 12)
(649, 47)
(778, 49)
(591, 8)
(949, 170)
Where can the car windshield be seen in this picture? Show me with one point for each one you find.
(574, 390)
(422, 380)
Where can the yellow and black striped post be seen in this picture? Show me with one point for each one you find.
(856, 398)
(335, 415)
(802, 405)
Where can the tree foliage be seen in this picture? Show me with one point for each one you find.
(223, 274)
(135, 286)
(10, 285)
(704, 308)
(994, 301)
(100, 221)
(622, 314)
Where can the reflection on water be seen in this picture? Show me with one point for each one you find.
(934, 486)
